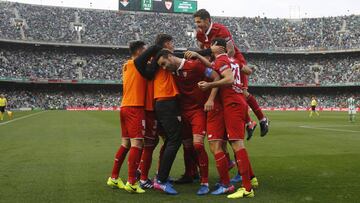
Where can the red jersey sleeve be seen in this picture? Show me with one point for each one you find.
(224, 33)
(221, 65)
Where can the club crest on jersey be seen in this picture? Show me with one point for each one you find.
(124, 2)
(168, 4)
(184, 74)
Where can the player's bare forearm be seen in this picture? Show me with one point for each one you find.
(227, 79)
(204, 60)
(230, 49)
(214, 91)
(246, 69)
(222, 82)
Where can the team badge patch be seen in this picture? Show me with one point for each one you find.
(168, 4)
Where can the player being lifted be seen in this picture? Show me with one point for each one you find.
(352, 108)
(207, 31)
(313, 105)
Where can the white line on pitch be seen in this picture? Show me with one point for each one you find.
(23, 117)
(330, 129)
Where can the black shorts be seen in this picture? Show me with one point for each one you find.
(2, 109)
(313, 108)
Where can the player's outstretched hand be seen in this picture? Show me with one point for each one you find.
(209, 105)
(191, 54)
(203, 85)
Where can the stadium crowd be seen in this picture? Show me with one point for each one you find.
(60, 99)
(53, 24)
(60, 64)
(47, 99)
(46, 63)
(280, 100)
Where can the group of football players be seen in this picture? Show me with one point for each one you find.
(185, 97)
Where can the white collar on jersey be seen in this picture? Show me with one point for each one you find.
(208, 32)
(181, 66)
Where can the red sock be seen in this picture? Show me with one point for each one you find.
(190, 165)
(222, 168)
(195, 163)
(255, 107)
(160, 155)
(203, 162)
(251, 172)
(145, 163)
(133, 163)
(228, 157)
(119, 159)
(243, 163)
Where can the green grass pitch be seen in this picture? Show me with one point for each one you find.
(63, 156)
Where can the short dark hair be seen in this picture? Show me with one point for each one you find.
(202, 14)
(219, 42)
(162, 38)
(135, 45)
(163, 53)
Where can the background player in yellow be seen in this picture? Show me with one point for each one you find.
(313, 107)
(3, 103)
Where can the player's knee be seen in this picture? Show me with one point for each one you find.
(125, 143)
(198, 139)
(216, 147)
(139, 143)
(237, 145)
(224, 146)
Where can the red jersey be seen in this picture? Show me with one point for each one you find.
(217, 30)
(187, 77)
(229, 94)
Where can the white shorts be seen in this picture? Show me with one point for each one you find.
(352, 111)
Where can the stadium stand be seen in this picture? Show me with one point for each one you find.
(87, 26)
(56, 43)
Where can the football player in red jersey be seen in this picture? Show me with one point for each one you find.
(235, 110)
(193, 101)
(207, 31)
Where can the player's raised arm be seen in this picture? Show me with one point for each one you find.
(192, 54)
(246, 69)
(230, 48)
(141, 62)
